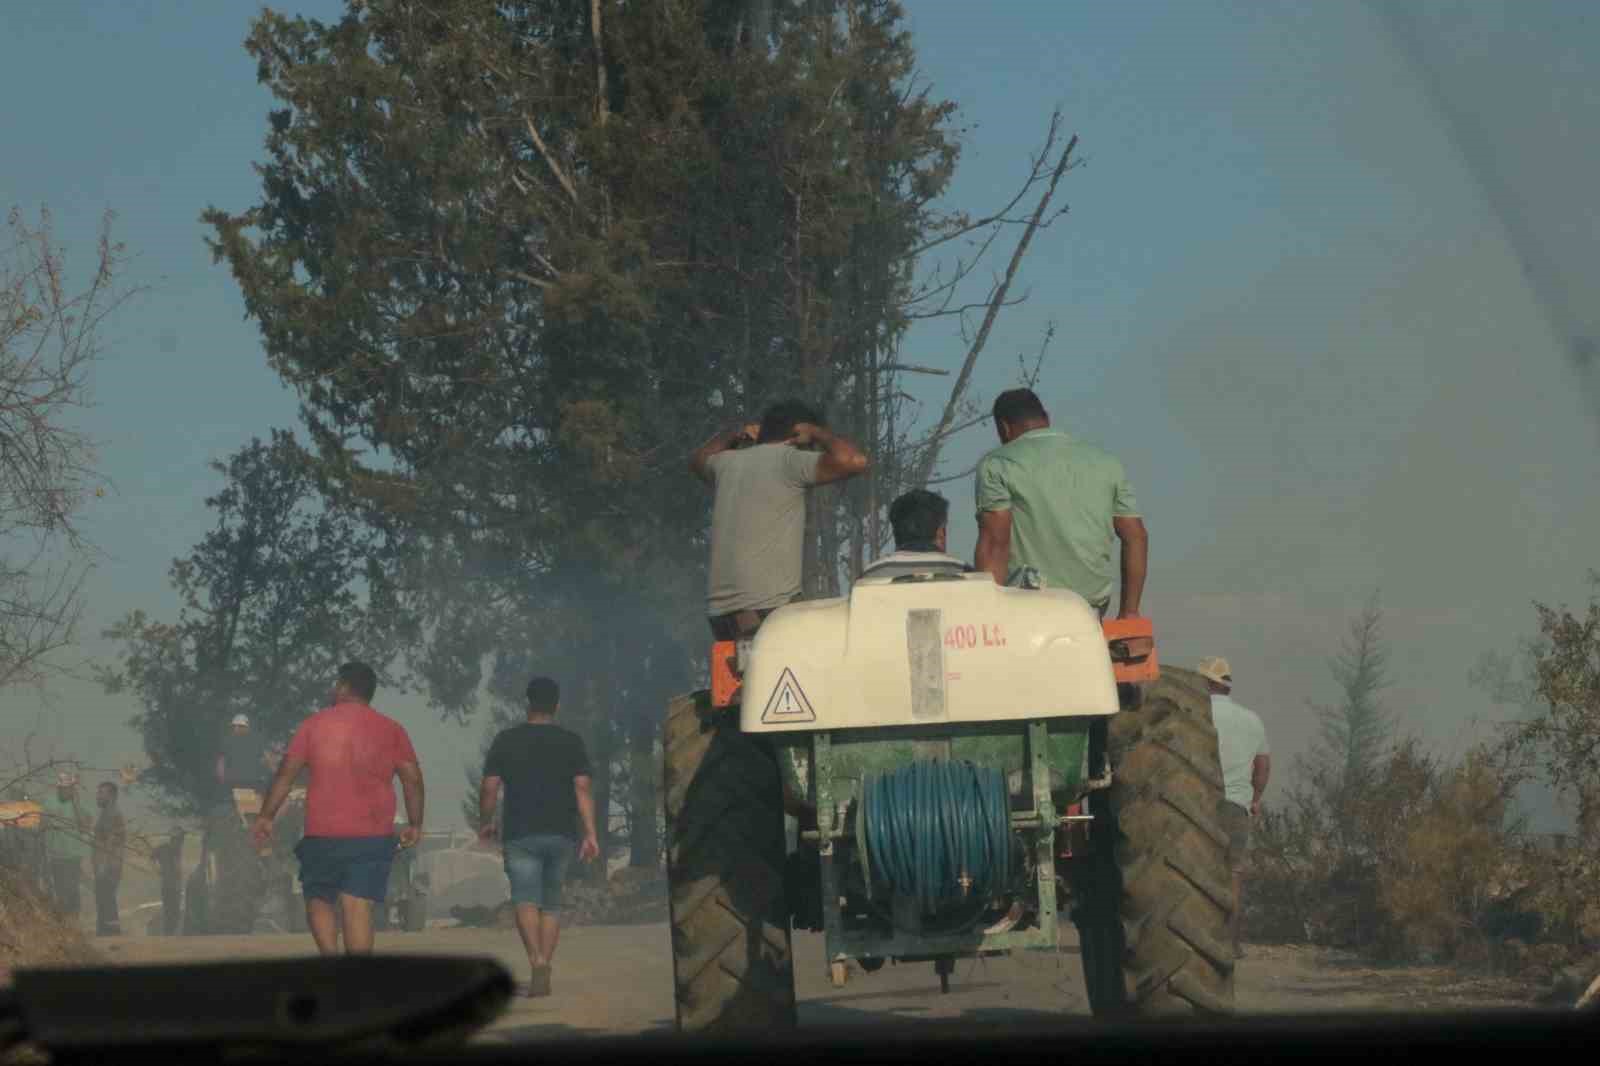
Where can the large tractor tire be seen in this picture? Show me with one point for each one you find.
(1153, 909)
(732, 965)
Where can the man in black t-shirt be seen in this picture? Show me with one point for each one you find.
(545, 772)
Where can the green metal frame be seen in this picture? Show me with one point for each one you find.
(1040, 821)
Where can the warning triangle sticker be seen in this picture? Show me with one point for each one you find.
(788, 703)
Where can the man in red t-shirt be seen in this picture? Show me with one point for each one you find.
(354, 754)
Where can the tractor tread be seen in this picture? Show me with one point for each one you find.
(1157, 903)
(731, 953)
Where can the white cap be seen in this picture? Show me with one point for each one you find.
(1216, 670)
(240, 719)
(66, 779)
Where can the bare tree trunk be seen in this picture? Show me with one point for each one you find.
(930, 456)
(644, 845)
(601, 103)
(600, 711)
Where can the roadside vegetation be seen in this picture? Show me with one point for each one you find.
(1385, 849)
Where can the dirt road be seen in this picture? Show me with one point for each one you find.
(618, 979)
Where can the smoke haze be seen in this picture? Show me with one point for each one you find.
(1319, 289)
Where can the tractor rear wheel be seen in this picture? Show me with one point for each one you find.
(1152, 910)
(731, 959)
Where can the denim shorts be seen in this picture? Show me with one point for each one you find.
(1236, 823)
(536, 866)
(354, 866)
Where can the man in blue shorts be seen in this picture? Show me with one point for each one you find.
(545, 773)
(354, 754)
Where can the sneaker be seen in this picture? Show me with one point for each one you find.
(539, 984)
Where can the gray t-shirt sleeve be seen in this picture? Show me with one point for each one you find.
(801, 466)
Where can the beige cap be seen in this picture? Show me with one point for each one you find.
(1216, 669)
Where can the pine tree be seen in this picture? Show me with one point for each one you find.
(1355, 733)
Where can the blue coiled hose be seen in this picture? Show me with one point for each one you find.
(938, 831)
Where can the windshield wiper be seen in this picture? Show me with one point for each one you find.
(362, 1004)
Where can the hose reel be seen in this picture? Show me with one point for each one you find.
(937, 831)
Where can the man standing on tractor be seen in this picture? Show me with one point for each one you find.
(354, 754)
(920, 520)
(761, 474)
(1246, 765)
(1051, 504)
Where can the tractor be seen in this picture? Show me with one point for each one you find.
(980, 759)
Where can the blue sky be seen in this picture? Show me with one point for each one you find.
(1281, 299)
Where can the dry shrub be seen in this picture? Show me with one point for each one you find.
(1418, 862)
(31, 933)
(1314, 864)
(1563, 892)
(1435, 888)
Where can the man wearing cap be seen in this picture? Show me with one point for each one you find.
(1050, 505)
(242, 762)
(1246, 764)
(68, 839)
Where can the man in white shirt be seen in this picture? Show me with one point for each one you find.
(920, 521)
(1246, 764)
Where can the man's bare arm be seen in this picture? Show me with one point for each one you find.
(1260, 770)
(993, 556)
(282, 782)
(488, 799)
(698, 462)
(840, 458)
(590, 848)
(582, 786)
(1135, 562)
(410, 775)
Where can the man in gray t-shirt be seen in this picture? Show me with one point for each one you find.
(761, 474)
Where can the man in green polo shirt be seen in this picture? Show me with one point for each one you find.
(1052, 504)
(68, 833)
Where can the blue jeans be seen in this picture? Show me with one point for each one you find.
(536, 866)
